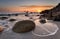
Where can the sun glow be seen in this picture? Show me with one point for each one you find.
(38, 10)
(26, 8)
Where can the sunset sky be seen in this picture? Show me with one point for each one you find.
(27, 5)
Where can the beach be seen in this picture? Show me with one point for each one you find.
(9, 34)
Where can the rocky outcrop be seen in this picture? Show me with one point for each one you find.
(53, 13)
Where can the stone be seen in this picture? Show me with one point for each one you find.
(1, 28)
(23, 26)
(11, 20)
(42, 21)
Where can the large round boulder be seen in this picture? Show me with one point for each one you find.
(24, 26)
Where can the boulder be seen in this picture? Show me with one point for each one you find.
(42, 21)
(56, 18)
(24, 26)
(1, 28)
(3, 18)
(11, 20)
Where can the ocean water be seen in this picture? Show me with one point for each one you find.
(41, 30)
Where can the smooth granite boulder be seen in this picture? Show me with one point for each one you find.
(24, 26)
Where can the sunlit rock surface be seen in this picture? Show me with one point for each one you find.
(1, 28)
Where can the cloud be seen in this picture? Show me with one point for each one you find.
(4, 3)
(25, 8)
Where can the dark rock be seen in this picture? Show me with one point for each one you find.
(24, 26)
(3, 18)
(57, 18)
(37, 15)
(11, 20)
(27, 14)
(42, 21)
(16, 14)
(31, 18)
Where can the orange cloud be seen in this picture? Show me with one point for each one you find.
(26, 8)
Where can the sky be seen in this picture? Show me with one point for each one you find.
(28, 3)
